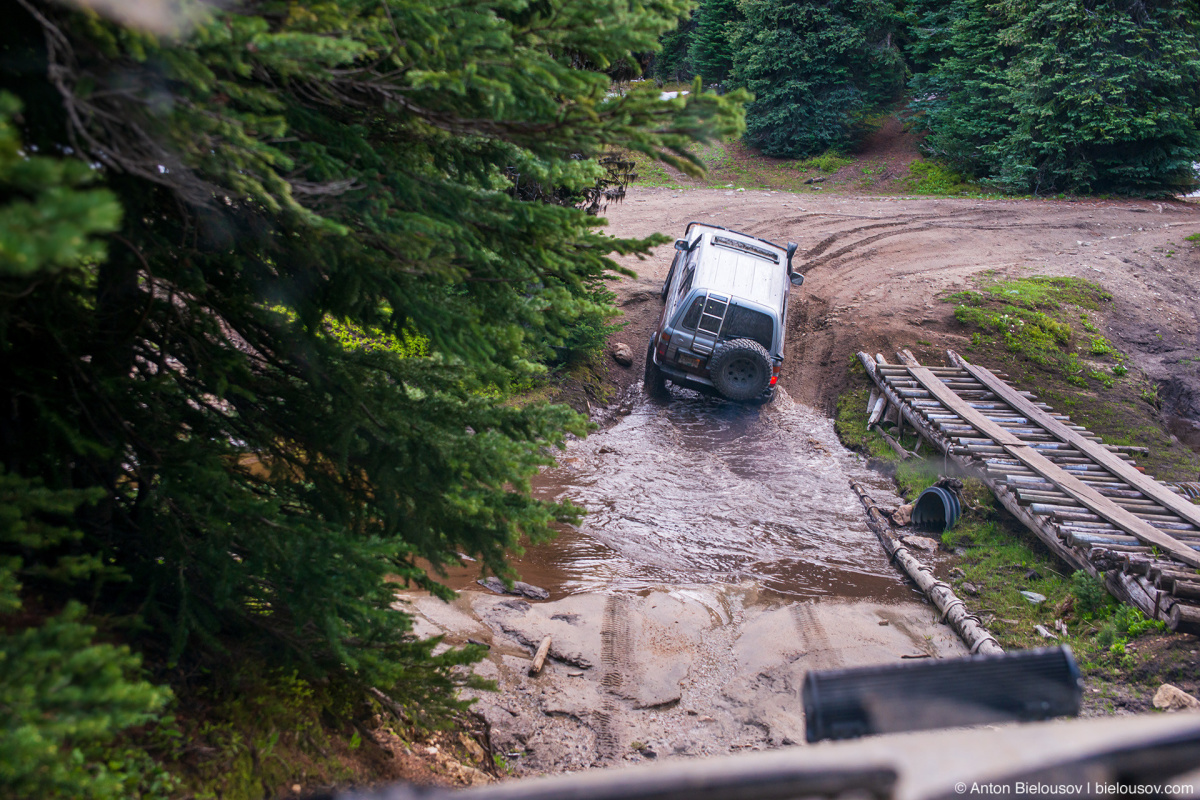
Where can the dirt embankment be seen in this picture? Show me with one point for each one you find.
(877, 268)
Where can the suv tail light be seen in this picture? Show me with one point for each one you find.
(664, 339)
(775, 370)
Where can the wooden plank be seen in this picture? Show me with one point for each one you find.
(1089, 497)
(1143, 483)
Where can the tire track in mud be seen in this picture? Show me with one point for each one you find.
(816, 255)
(615, 647)
(819, 652)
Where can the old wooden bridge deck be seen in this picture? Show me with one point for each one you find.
(1087, 501)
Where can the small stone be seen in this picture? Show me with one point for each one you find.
(1033, 575)
(1033, 597)
(574, 674)
(1172, 698)
(921, 543)
(956, 572)
(622, 354)
(970, 588)
(296, 788)
(883, 622)
(646, 751)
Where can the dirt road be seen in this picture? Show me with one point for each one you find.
(876, 266)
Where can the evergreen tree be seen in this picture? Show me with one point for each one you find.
(711, 49)
(816, 71)
(673, 62)
(266, 350)
(1065, 96)
(960, 97)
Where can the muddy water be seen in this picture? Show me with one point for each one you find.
(694, 490)
(723, 557)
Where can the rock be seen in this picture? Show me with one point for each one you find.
(883, 622)
(956, 572)
(519, 587)
(1044, 633)
(622, 354)
(814, 180)
(473, 747)
(902, 515)
(921, 543)
(970, 588)
(1172, 698)
(1033, 575)
(1033, 597)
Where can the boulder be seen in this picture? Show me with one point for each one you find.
(622, 354)
(1172, 698)
(902, 516)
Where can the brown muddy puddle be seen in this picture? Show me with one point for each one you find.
(695, 490)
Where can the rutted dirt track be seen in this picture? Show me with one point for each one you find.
(875, 267)
(724, 555)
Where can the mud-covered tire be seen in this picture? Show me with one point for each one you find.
(653, 380)
(740, 369)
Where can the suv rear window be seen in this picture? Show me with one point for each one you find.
(746, 323)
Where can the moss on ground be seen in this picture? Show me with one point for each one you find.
(1044, 333)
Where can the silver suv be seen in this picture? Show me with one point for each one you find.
(725, 304)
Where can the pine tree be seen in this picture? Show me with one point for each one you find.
(267, 349)
(711, 49)
(816, 71)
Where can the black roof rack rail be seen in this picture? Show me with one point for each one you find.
(731, 230)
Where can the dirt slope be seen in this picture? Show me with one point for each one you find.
(876, 267)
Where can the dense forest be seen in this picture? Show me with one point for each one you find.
(1085, 96)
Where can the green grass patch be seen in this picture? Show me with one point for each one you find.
(929, 177)
(829, 162)
(1035, 318)
(1044, 332)
(1001, 558)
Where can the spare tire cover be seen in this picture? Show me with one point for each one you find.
(740, 369)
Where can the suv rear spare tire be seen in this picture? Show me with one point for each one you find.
(740, 369)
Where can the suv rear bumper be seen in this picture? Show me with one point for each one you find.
(687, 380)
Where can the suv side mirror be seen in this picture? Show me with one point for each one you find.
(791, 251)
(797, 279)
(681, 245)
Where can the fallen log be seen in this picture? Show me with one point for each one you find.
(539, 658)
(954, 611)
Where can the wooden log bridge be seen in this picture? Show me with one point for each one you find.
(1087, 501)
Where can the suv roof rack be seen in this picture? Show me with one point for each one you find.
(723, 228)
